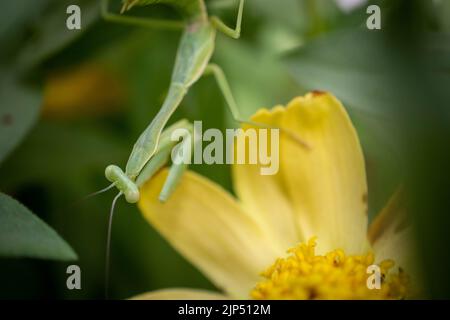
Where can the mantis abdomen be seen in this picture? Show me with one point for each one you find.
(194, 53)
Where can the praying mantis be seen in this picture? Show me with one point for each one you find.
(196, 48)
(154, 147)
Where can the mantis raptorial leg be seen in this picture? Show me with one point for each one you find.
(166, 149)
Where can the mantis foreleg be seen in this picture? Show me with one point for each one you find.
(181, 156)
(162, 154)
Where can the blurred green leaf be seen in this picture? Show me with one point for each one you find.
(63, 165)
(51, 34)
(356, 74)
(289, 14)
(361, 68)
(444, 10)
(18, 112)
(14, 17)
(22, 234)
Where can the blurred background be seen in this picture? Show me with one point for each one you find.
(73, 102)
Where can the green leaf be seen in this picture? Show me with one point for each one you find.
(23, 234)
(360, 75)
(367, 71)
(15, 16)
(50, 34)
(18, 112)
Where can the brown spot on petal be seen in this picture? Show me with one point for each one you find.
(364, 198)
(318, 93)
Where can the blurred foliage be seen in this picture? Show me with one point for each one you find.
(20, 109)
(22, 234)
(287, 48)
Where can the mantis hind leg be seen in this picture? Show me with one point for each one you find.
(108, 244)
(136, 21)
(222, 27)
(213, 69)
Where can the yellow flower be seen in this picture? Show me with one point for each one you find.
(315, 207)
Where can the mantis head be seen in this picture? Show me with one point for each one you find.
(126, 185)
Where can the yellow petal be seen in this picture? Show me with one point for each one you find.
(389, 231)
(392, 238)
(264, 198)
(208, 227)
(326, 182)
(180, 294)
(392, 215)
(398, 246)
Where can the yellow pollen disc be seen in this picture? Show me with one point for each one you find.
(305, 275)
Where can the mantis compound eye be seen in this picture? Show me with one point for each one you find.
(123, 183)
(132, 195)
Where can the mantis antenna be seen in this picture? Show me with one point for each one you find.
(108, 243)
(96, 193)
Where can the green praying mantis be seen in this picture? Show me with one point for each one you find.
(154, 147)
(196, 48)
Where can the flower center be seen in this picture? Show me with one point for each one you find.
(305, 275)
